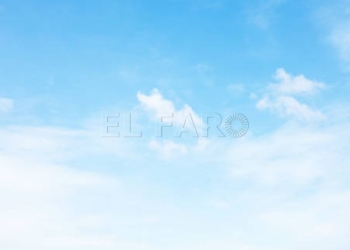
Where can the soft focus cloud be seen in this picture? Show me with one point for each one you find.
(334, 19)
(263, 13)
(281, 97)
(168, 149)
(6, 105)
(292, 85)
(291, 174)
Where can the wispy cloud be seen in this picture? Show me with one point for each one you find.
(263, 13)
(335, 20)
(281, 97)
(6, 105)
(340, 39)
(168, 149)
(52, 203)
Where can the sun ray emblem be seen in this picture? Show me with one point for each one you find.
(237, 132)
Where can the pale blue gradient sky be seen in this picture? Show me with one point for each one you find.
(284, 64)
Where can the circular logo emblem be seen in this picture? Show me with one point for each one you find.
(241, 129)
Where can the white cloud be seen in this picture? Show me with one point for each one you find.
(293, 154)
(290, 184)
(48, 202)
(291, 85)
(280, 97)
(298, 179)
(287, 106)
(158, 106)
(6, 105)
(202, 145)
(40, 196)
(155, 102)
(320, 219)
(168, 149)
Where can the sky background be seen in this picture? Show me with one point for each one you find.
(284, 64)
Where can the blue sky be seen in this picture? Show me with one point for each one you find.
(284, 64)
